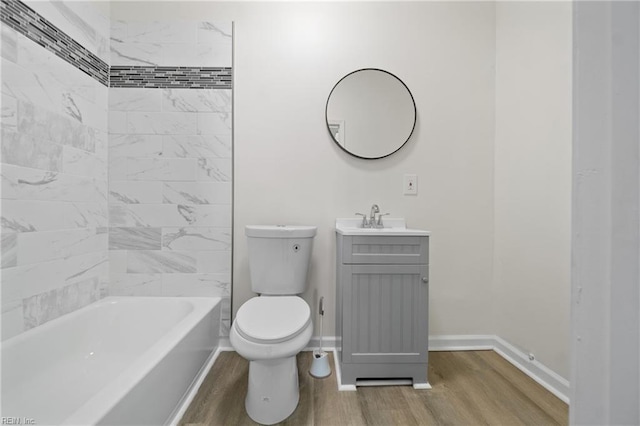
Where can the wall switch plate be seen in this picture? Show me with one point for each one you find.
(410, 185)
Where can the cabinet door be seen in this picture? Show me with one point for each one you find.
(385, 313)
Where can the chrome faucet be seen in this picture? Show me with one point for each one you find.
(371, 221)
(372, 217)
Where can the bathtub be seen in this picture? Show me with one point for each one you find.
(121, 360)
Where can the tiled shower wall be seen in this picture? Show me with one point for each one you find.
(54, 161)
(154, 151)
(170, 160)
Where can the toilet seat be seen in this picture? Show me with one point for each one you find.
(274, 319)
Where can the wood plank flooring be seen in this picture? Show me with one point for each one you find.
(469, 388)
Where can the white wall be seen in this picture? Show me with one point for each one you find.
(288, 56)
(533, 179)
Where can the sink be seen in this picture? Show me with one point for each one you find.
(392, 227)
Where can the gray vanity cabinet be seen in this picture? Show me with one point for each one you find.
(382, 307)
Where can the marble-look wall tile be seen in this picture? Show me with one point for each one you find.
(83, 163)
(170, 169)
(196, 238)
(214, 169)
(204, 100)
(135, 192)
(140, 238)
(117, 262)
(9, 49)
(117, 122)
(206, 285)
(197, 146)
(38, 247)
(44, 307)
(161, 123)
(30, 216)
(9, 250)
(166, 262)
(37, 278)
(24, 150)
(136, 285)
(214, 123)
(135, 146)
(215, 262)
(147, 100)
(215, 32)
(197, 193)
(169, 215)
(135, 53)
(21, 183)
(47, 126)
(9, 113)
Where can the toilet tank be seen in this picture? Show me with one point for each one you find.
(279, 257)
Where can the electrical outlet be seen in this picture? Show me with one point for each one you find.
(410, 186)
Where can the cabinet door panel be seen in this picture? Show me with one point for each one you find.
(385, 313)
(385, 250)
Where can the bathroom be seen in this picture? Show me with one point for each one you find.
(492, 150)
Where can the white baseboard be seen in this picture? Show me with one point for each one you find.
(542, 374)
(547, 378)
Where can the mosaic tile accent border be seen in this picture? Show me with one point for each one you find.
(171, 77)
(27, 22)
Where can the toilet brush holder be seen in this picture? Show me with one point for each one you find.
(320, 365)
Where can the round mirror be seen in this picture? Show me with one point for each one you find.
(370, 113)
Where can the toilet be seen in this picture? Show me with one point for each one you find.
(269, 330)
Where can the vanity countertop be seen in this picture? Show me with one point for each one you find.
(392, 227)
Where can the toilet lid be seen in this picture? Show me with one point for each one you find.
(267, 319)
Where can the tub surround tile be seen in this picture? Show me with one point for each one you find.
(214, 262)
(147, 100)
(169, 215)
(214, 123)
(9, 49)
(171, 169)
(12, 320)
(9, 248)
(9, 111)
(161, 123)
(117, 262)
(197, 146)
(117, 123)
(37, 278)
(22, 183)
(142, 54)
(215, 32)
(140, 238)
(27, 216)
(136, 284)
(214, 169)
(83, 163)
(44, 307)
(24, 150)
(200, 285)
(186, 100)
(197, 193)
(44, 125)
(135, 146)
(196, 239)
(166, 262)
(135, 192)
(38, 247)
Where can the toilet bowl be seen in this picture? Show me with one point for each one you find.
(269, 332)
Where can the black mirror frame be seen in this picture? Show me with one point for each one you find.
(415, 114)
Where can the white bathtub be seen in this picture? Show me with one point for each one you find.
(122, 360)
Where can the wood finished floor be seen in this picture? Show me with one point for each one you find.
(469, 388)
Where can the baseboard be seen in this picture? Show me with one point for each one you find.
(547, 378)
(542, 374)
